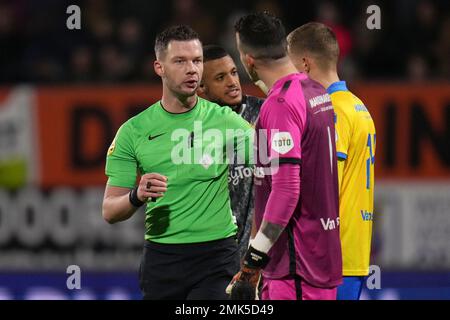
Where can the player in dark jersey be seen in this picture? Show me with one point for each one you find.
(296, 201)
(220, 84)
(175, 146)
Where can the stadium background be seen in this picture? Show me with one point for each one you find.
(64, 93)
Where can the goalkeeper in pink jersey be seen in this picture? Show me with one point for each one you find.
(297, 244)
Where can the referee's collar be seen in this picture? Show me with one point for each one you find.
(337, 86)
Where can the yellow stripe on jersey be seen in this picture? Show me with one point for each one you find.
(355, 146)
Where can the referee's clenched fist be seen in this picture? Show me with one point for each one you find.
(151, 185)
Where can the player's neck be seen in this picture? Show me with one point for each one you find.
(326, 79)
(269, 74)
(177, 104)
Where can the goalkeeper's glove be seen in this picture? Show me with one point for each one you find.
(244, 284)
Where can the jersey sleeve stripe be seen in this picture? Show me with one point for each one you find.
(286, 86)
(289, 160)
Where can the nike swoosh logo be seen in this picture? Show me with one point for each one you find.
(150, 137)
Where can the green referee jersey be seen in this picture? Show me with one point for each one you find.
(190, 149)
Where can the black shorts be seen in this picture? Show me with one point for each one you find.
(188, 271)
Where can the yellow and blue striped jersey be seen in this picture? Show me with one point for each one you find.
(355, 146)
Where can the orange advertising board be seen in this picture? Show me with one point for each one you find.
(75, 126)
(413, 129)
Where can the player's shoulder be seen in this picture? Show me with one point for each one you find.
(357, 102)
(209, 106)
(351, 108)
(311, 87)
(273, 103)
(284, 96)
(299, 88)
(252, 108)
(315, 95)
(214, 109)
(252, 102)
(356, 107)
(343, 99)
(286, 86)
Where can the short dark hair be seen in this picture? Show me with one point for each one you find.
(316, 39)
(263, 35)
(174, 33)
(213, 52)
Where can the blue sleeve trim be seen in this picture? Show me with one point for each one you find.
(341, 155)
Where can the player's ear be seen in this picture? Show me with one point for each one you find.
(249, 60)
(158, 67)
(306, 63)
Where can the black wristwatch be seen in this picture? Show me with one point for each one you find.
(133, 198)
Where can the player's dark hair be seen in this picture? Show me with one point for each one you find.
(262, 35)
(174, 33)
(316, 39)
(213, 52)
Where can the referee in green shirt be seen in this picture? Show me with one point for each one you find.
(178, 147)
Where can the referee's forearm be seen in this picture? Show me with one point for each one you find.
(117, 208)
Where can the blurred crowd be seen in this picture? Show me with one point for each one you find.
(115, 43)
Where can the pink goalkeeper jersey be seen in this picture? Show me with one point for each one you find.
(297, 121)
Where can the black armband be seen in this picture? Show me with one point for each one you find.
(255, 259)
(133, 198)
